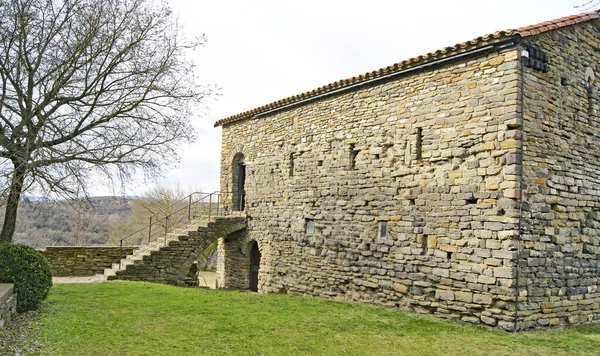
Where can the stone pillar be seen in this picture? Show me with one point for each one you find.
(233, 262)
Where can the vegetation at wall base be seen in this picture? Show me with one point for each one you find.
(30, 273)
(128, 318)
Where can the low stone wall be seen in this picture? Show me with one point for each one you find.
(83, 261)
(8, 304)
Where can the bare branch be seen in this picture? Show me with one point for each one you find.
(91, 87)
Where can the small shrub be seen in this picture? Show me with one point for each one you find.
(30, 273)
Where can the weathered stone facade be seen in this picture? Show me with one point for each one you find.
(83, 261)
(433, 189)
(561, 227)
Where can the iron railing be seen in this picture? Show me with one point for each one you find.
(205, 205)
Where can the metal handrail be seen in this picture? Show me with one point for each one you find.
(211, 202)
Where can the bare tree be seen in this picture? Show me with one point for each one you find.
(588, 5)
(81, 224)
(90, 87)
(159, 203)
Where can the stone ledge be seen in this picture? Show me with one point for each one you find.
(8, 303)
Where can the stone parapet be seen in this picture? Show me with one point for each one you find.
(8, 304)
(83, 261)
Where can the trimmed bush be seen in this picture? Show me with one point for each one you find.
(30, 273)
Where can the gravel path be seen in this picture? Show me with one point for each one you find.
(207, 279)
(73, 280)
(21, 336)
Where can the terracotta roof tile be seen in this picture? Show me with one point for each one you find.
(463, 47)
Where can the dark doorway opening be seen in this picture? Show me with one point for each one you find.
(254, 267)
(241, 183)
(238, 170)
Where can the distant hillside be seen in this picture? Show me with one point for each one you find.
(42, 223)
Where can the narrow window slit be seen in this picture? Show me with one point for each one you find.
(590, 97)
(309, 225)
(424, 248)
(353, 155)
(419, 143)
(383, 233)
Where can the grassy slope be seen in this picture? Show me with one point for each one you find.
(145, 319)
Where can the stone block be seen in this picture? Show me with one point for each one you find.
(400, 288)
(488, 320)
(504, 272)
(444, 294)
(466, 297)
(484, 299)
(486, 279)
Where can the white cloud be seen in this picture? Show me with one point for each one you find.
(261, 51)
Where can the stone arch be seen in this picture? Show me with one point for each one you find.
(234, 265)
(238, 181)
(246, 243)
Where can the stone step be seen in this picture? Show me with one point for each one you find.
(181, 233)
(178, 235)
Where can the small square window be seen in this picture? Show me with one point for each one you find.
(309, 226)
(383, 230)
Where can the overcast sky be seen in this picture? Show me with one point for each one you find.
(260, 51)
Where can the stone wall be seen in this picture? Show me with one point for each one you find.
(431, 154)
(233, 261)
(561, 240)
(8, 304)
(83, 261)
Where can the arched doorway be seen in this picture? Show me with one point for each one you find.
(238, 167)
(254, 267)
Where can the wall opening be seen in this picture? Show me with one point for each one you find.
(254, 266)
(238, 168)
(309, 226)
(419, 143)
(291, 164)
(590, 79)
(383, 230)
(424, 244)
(353, 155)
(590, 99)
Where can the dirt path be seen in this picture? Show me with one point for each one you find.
(207, 279)
(82, 279)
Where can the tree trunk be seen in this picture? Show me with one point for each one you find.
(12, 204)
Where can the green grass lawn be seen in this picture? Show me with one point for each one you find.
(147, 319)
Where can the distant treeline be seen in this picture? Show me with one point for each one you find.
(42, 223)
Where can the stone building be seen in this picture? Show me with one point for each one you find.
(464, 183)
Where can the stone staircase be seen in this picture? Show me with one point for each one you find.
(170, 263)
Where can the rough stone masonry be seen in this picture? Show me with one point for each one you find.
(463, 183)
